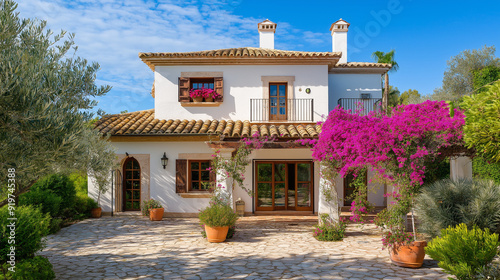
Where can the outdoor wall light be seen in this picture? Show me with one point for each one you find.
(126, 154)
(164, 160)
(308, 90)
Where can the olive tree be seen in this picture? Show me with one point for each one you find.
(46, 92)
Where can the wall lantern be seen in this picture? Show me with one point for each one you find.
(164, 160)
(308, 90)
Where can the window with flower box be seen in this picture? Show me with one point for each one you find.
(205, 87)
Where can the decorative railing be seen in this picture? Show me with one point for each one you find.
(297, 110)
(366, 105)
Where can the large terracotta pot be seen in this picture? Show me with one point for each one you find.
(198, 99)
(96, 212)
(156, 214)
(408, 255)
(216, 234)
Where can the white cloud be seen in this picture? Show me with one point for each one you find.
(113, 33)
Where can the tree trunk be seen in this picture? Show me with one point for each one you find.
(385, 97)
(18, 193)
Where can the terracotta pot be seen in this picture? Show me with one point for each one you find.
(198, 99)
(156, 214)
(216, 234)
(408, 255)
(209, 99)
(96, 212)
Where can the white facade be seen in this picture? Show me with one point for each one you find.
(241, 83)
(245, 77)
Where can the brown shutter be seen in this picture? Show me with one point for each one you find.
(180, 175)
(219, 88)
(183, 89)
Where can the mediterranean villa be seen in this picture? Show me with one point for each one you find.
(164, 152)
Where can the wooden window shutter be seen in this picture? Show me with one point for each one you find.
(184, 89)
(219, 88)
(180, 175)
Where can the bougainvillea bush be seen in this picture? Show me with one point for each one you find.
(396, 145)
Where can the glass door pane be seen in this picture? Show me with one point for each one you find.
(279, 186)
(264, 186)
(304, 186)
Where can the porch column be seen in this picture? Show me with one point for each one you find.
(460, 168)
(223, 182)
(328, 205)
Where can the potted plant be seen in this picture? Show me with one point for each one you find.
(95, 210)
(218, 217)
(203, 93)
(153, 209)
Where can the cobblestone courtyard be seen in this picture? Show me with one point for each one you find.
(263, 248)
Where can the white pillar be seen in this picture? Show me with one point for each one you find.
(223, 182)
(460, 167)
(328, 205)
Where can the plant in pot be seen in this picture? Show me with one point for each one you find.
(218, 216)
(95, 210)
(153, 209)
(397, 146)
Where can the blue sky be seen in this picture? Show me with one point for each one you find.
(425, 34)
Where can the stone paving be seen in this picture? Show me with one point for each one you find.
(263, 248)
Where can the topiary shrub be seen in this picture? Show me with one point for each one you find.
(449, 203)
(463, 252)
(60, 185)
(36, 268)
(30, 228)
(48, 201)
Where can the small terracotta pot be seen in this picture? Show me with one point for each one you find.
(408, 255)
(96, 212)
(156, 214)
(209, 99)
(216, 234)
(198, 99)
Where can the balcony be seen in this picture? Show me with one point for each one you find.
(292, 110)
(366, 104)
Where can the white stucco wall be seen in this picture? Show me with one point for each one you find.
(241, 83)
(351, 86)
(266, 39)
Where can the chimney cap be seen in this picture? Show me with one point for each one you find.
(267, 25)
(340, 26)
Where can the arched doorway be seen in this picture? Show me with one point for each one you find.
(131, 185)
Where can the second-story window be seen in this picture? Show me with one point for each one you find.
(189, 88)
(277, 101)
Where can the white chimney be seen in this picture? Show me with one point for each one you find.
(339, 38)
(266, 34)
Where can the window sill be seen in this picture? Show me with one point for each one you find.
(201, 104)
(196, 195)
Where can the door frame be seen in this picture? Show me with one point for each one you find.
(273, 161)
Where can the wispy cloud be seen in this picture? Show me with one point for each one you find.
(113, 33)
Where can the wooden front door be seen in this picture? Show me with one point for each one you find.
(131, 185)
(283, 185)
(277, 102)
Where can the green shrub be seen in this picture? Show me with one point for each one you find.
(37, 268)
(482, 168)
(218, 215)
(80, 183)
(491, 271)
(61, 186)
(48, 201)
(463, 252)
(55, 225)
(329, 230)
(449, 203)
(31, 226)
(149, 204)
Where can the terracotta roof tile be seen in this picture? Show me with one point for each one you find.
(363, 65)
(144, 123)
(239, 52)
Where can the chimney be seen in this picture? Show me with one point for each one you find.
(339, 38)
(266, 34)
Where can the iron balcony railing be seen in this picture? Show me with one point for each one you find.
(295, 110)
(366, 105)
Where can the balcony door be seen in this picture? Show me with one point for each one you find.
(277, 102)
(284, 185)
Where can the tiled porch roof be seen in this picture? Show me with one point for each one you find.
(363, 65)
(144, 123)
